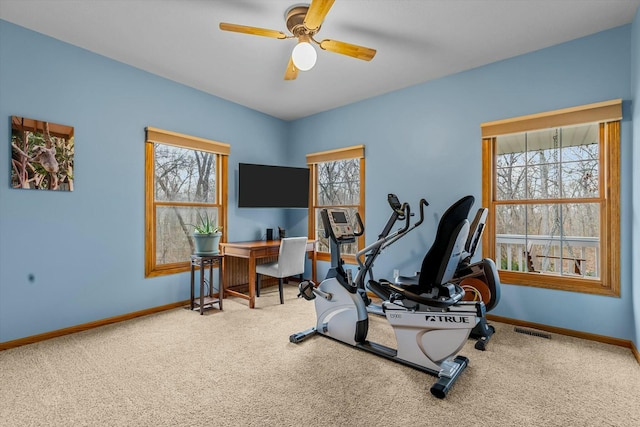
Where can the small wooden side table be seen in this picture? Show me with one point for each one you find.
(207, 262)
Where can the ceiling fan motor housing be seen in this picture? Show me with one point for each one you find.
(295, 21)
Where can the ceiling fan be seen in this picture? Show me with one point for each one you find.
(304, 22)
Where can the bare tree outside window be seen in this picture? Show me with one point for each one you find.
(338, 185)
(551, 183)
(338, 182)
(185, 180)
(185, 185)
(547, 208)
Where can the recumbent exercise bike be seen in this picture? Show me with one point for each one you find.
(430, 320)
(479, 279)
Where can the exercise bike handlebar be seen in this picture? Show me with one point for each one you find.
(423, 204)
(360, 231)
(407, 216)
(385, 241)
(392, 238)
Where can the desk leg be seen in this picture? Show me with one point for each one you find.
(252, 282)
(220, 283)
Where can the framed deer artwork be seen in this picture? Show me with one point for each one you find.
(41, 155)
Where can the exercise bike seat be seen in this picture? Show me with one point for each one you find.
(407, 280)
(443, 296)
(382, 292)
(446, 296)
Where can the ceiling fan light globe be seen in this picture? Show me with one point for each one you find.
(304, 56)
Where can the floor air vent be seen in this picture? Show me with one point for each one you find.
(532, 333)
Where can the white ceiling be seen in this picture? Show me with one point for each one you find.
(416, 40)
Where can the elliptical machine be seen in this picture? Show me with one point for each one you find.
(430, 321)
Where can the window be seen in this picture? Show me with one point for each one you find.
(551, 182)
(185, 177)
(337, 177)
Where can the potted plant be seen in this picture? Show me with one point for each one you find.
(206, 235)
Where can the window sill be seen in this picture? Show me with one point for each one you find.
(167, 269)
(561, 283)
(325, 256)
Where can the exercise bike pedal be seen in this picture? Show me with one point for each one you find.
(306, 290)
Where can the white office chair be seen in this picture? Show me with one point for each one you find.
(290, 262)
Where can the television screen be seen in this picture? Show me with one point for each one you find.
(264, 186)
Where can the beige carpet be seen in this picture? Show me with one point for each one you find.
(238, 368)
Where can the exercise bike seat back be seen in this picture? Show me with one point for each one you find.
(441, 261)
(438, 268)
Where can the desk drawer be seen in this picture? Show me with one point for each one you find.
(266, 252)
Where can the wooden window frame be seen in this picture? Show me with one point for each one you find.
(313, 159)
(608, 114)
(160, 136)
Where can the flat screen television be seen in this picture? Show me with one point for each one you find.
(265, 186)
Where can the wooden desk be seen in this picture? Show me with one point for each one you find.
(253, 251)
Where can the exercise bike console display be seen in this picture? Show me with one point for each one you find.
(340, 226)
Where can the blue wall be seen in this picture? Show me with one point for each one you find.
(86, 248)
(635, 83)
(424, 141)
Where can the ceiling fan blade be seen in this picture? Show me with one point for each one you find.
(360, 52)
(292, 71)
(252, 30)
(318, 9)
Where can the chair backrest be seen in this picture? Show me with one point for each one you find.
(436, 265)
(292, 256)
